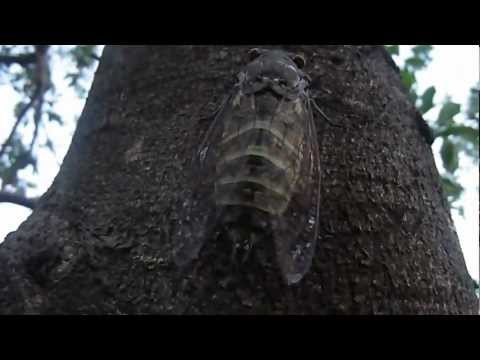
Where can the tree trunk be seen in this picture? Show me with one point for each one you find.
(101, 238)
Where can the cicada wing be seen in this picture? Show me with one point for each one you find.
(295, 230)
(212, 164)
(198, 207)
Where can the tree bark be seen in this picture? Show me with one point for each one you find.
(100, 240)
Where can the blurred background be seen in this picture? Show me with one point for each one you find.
(43, 90)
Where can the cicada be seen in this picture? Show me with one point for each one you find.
(257, 170)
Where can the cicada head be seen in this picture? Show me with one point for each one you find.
(277, 70)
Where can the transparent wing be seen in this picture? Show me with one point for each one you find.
(295, 231)
(201, 213)
(198, 207)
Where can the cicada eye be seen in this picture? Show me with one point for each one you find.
(299, 60)
(254, 53)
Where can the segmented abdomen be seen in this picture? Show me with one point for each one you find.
(260, 153)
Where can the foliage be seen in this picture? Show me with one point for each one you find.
(26, 70)
(84, 57)
(457, 137)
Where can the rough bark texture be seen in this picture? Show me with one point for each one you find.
(100, 239)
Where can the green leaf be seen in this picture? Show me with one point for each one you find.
(472, 153)
(19, 108)
(415, 63)
(449, 153)
(73, 78)
(49, 145)
(451, 188)
(468, 133)
(427, 100)
(408, 78)
(83, 55)
(53, 116)
(473, 100)
(412, 95)
(423, 51)
(461, 211)
(458, 208)
(393, 49)
(448, 111)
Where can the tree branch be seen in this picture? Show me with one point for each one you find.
(42, 84)
(22, 59)
(42, 80)
(17, 199)
(17, 122)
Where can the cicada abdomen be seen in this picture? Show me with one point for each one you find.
(259, 167)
